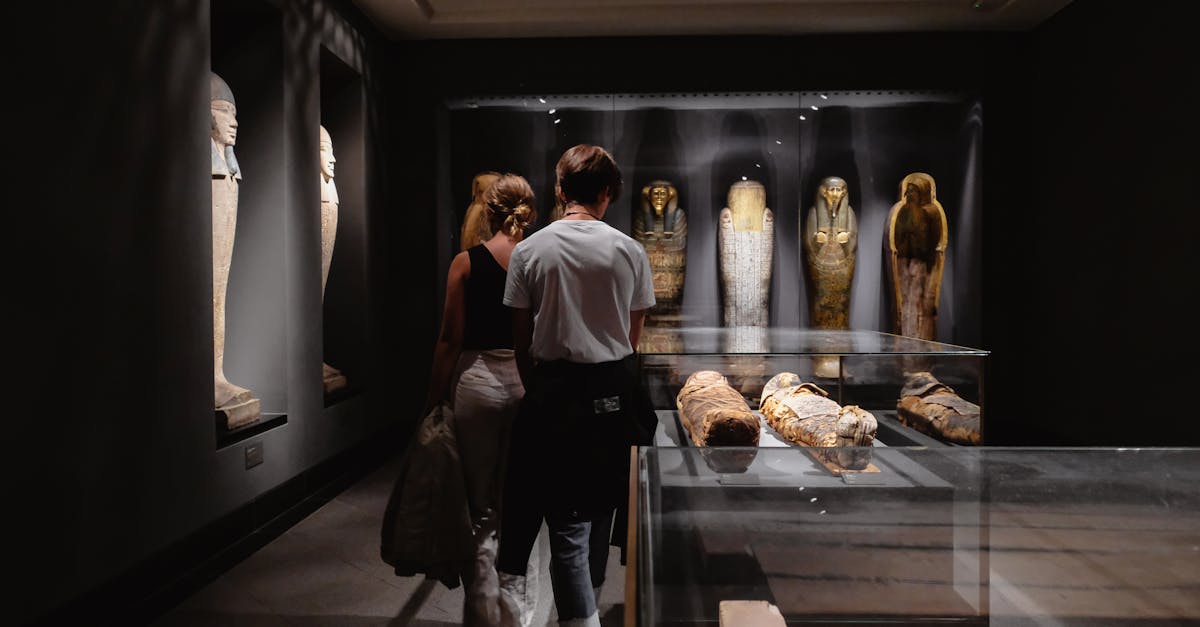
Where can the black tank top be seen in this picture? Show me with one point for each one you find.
(488, 322)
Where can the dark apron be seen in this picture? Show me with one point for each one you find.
(569, 451)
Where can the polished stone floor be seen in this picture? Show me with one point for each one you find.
(326, 570)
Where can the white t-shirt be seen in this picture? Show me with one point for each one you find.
(581, 278)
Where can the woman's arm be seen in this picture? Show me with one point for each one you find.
(449, 344)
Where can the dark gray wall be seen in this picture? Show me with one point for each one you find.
(115, 459)
(1095, 274)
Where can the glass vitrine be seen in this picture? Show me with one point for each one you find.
(963, 535)
(870, 369)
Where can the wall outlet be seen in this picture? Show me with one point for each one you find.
(254, 455)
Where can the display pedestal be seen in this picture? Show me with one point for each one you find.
(834, 468)
(342, 393)
(268, 421)
(239, 415)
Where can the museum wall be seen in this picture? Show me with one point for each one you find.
(731, 72)
(1088, 128)
(119, 461)
(1093, 338)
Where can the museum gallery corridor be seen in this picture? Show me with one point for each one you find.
(326, 570)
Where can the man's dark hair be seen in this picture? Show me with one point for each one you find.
(584, 171)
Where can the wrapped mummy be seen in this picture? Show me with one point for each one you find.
(715, 414)
(804, 414)
(933, 408)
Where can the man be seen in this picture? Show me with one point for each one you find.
(579, 290)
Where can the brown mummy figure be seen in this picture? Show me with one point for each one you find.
(933, 408)
(715, 414)
(915, 242)
(804, 414)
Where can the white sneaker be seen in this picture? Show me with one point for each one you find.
(516, 589)
(590, 621)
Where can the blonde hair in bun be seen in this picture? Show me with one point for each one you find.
(510, 205)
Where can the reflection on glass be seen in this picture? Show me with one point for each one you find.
(956, 534)
(781, 341)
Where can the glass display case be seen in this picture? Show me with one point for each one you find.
(868, 369)
(965, 535)
(705, 173)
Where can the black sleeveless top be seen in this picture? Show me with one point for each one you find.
(488, 322)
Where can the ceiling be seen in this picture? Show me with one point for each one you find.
(462, 19)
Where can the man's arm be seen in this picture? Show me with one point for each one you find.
(522, 320)
(636, 319)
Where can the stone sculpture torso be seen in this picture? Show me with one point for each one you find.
(332, 378)
(915, 251)
(661, 228)
(746, 239)
(235, 404)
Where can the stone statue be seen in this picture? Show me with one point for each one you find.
(829, 240)
(475, 226)
(915, 252)
(235, 404)
(661, 227)
(333, 379)
(746, 236)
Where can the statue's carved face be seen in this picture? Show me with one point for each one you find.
(659, 196)
(224, 122)
(327, 159)
(834, 193)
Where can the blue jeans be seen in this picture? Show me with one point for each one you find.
(578, 559)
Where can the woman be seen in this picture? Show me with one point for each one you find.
(475, 369)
